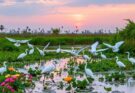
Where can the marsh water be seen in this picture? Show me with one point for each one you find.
(98, 87)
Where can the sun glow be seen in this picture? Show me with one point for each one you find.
(78, 17)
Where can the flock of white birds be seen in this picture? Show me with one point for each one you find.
(92, 49)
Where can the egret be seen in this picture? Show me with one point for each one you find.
(42, 52)
(17, 43)
(30, 45)
(31, 51)
(73, 52)
(132, 60)
(116, 47)
(4, 68)
(21, 56)
(85, 57)
(103, 56)
(58, 50)
(21, 70)
(94, 50)
(119, 63)
(48, 69)
(88, 71)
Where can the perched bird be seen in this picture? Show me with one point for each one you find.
(119, 63)
(94, 50)
(58, 50)
(17, 43)
(42, 52)
(21, 56)
(4, 68)
(31, 51)
(88, 71)
(30, 45)
(48, 69)
(85, 57)
(116, 47)
(132, 60)
(103, 56)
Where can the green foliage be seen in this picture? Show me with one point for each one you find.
(55, 31)
(34, 72)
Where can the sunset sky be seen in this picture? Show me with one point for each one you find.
(86, 14)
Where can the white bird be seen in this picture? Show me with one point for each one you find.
(17, 43)
(119, 63)
(88, 71)
(116, 47)
(48, 69)
(103, 56)
(30, 45)
(4, 68)
(94, 50)
(58, 50)
(21, 70)
(42, 52)
(85, 57)
(21, 56)
(132, 60)
(31, 51)
(74, 52)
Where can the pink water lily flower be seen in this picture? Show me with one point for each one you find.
(3, 84)
(10, 80)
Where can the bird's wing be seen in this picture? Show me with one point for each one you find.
(108, 45)
(82, 49)
(11, 39)
(94, 46)
(46, 46)
(68, 51)
(100, 50)
(118, 44)
(24, 41)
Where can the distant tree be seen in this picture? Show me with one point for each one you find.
(129, 31)
(2, 27)
(55, 31)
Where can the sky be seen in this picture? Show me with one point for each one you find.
(85, 14)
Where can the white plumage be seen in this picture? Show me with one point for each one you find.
(58, 50)
(30, 45)
(119, 63)
(103, 56)
(132, 60)
(21, 56)
(17, 43)
(88, 72)
(74, 52)
(4, 68)
(85, 57)
(42, 52)
(31, 51)
(49, 68)
(94, 50)
(114, 48)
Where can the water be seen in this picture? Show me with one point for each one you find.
(128, 87)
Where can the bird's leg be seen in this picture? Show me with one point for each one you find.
(44, 80)
(86, 79)
(72, 90)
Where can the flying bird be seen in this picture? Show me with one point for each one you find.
(116, 47)
(16, 42)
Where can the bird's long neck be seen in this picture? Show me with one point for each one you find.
(26, 52)
(117, 59)
(83, 52)
(4, 64)
(128, 55)
(101, 53)
(85, 64)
